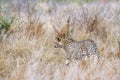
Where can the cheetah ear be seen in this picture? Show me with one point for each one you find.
(69, 29)
(64, 35)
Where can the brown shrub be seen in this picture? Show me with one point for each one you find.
(98, 28)
(34, 30)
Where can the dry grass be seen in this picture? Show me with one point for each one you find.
(34, 30)
(28, 53)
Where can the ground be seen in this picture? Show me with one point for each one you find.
(27, 49)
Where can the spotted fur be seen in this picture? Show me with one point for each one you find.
(77, 50)
(74, 49)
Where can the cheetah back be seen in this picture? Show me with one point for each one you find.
(77, 50)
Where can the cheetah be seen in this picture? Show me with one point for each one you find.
(75, 49)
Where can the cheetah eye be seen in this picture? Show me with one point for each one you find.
(58, 39)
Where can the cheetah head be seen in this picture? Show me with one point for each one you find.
(63, 36)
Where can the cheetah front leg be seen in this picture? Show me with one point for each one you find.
(67, 62)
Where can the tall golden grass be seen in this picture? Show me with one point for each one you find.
(28, 53)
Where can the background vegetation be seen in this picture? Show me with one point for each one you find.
(27, 39)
